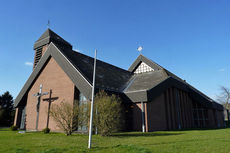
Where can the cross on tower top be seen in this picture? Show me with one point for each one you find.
(48, 24)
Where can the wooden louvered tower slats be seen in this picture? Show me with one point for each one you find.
(38, 56)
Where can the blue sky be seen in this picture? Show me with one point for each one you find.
(189, 38)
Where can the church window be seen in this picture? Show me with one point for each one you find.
(83, 102)
(82, 98)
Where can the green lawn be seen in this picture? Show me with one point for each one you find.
(206, 141)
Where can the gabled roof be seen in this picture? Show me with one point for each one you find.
(152, 64)
(50, 36)
(146, 86)
(79, 68)
(144, 59)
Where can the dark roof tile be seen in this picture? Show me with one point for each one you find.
(146, 81)
(108, 77)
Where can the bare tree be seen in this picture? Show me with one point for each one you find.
(65, 115)
(224, 99)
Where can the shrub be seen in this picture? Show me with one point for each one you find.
(65, 115)
(13, 128)
(46, 130)
(109, 117)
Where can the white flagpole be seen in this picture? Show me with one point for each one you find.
(91, 112)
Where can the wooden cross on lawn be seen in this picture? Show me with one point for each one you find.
(49, 100)
(39, 95)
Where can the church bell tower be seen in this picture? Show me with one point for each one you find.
(43, 42)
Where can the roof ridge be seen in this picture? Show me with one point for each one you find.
(149, 62)
(166, 70)
(152, 61)
(103, 62)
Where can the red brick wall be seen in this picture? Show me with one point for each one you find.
(172, 107)
(163, 112)
(170, 111)
(54, 78)
(186, 113)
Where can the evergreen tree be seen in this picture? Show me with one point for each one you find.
(6, 109)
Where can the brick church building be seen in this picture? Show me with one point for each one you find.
(155, 98)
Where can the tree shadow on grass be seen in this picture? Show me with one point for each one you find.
(21, 150)
(4, 128)
(147, 134)
(200, 129)
(175, 142)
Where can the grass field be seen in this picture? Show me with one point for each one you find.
(199, 141)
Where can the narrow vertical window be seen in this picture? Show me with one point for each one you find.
(83, 105)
